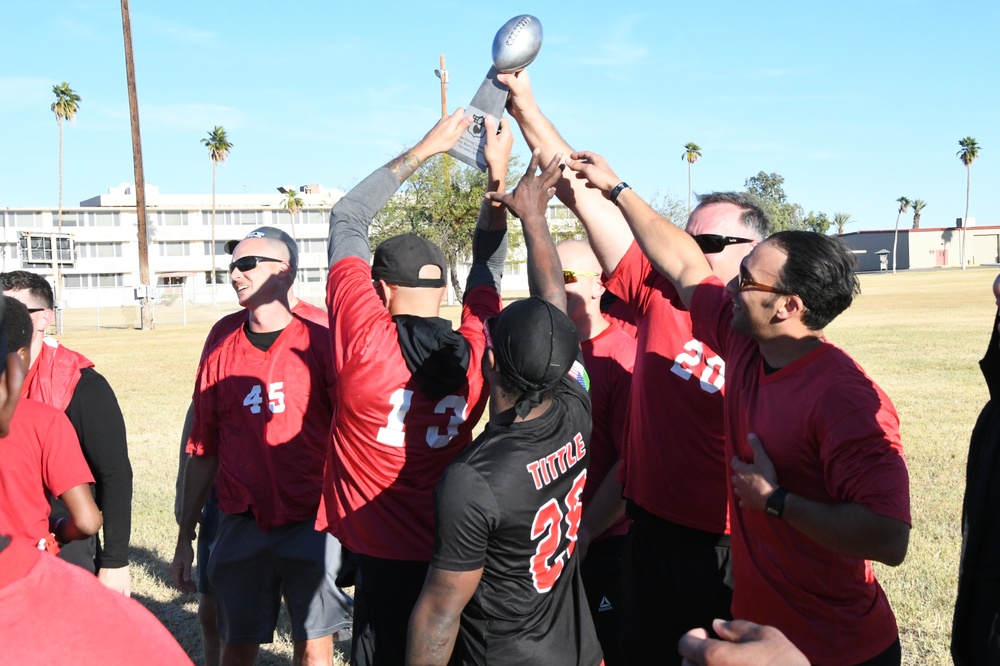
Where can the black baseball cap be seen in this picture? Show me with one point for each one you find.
(534, 344)
(273, 233)
(399, 259)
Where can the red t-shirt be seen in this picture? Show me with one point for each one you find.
(40, 456)
(267, 416)
(833, 437)
(235, 320)
(391, 443)
(609, 359)
(674, 465)
(52, 612)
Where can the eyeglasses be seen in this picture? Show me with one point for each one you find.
(570, 276)
(487, 326)
(249, 263)
(747, 284)
(34, 310)
(713, 243)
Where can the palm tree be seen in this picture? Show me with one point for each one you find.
(842, 220)
(218, 150)
(918, 205)
(293, 204)
(904, 204)
(65, 107)
(968, 155)
(692, 151)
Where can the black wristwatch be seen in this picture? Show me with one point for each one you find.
(775, 505)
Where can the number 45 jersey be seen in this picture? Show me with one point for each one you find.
(396, 429)
(511, 504)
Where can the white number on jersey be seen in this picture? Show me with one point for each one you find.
(686, 364)
(275, 398)
(393, 433)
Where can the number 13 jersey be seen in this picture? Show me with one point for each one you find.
(391, 441)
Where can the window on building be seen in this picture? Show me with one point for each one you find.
(220, 247)
(100, 218)
(24, 219)
(109, 280)
(68, 219)
(311, 275)
(175, 249)
(37, 248)
(308, 245)
(174, 218)
(100, 250)
(75, 281)
(221, 277)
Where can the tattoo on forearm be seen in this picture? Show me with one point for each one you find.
(403, 166)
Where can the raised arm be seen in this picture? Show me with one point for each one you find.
(528, 203)
(351, 216)
(489, 240)
(670, 249)
(607, 231)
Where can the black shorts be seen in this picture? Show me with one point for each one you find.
(602, 580)
(385, 593)
(206, 535)
(675, 578)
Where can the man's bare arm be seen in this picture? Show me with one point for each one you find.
(607, 231)
(84, 516)
(528, 202)
(670, 249)
(199, 475)
(435, 619)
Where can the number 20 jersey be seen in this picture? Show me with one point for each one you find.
(390, 442)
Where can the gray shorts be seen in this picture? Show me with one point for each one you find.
(250, 570)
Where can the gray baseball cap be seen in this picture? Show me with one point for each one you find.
(273, 233)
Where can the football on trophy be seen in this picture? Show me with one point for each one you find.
(517, 43)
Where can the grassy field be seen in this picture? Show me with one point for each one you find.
(920, 335)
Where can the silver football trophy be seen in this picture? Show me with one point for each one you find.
(515, 46)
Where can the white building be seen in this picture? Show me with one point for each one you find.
(98, 249)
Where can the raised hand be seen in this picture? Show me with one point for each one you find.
(595, 170)
(442, 136)
(533, 191)
(499, 140)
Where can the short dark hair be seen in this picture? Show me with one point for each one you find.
(752, 217)
(31, 282)
(820, 270)
(17, 320)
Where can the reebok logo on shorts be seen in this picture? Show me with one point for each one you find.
(604, 606)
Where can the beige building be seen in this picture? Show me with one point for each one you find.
(925, 248)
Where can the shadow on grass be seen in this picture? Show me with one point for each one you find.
(177, 612)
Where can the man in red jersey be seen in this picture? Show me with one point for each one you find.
(40, 457)
(409, 388)
(67, 380)
(819, 483)
(262, 411)
(207, 613)
(608, 355)
(676, 566)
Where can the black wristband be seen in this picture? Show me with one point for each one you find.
(619, 188)
(775, 505)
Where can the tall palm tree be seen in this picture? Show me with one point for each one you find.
(293, 204)
(918, 205)
(692, 151)
(968, 154)
(842, 220)
(65, 107)
(904, 204)
(218, 150)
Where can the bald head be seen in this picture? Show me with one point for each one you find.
(583, 287)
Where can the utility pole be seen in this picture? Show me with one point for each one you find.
(443, 75)
(140, 182)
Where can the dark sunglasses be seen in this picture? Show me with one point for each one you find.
(249, 263)
(570, 276)
(713, 243)
(34, 310)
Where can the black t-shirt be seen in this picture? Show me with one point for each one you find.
(511, 504)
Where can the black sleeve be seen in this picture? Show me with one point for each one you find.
(465, 513)
(98, 421)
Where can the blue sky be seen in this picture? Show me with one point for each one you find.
(854, 103)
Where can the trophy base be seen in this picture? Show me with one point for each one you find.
(490, 99)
